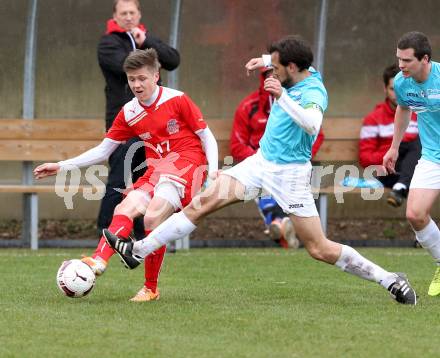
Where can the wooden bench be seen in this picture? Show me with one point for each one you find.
(38, 140)
(59, 139)
(29, 141)
(51, 140)
(340, 146)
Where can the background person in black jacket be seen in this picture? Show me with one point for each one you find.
(124, 34)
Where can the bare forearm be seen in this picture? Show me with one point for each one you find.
(401, 122)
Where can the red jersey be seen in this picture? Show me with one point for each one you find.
(169, 125)
(377, 134)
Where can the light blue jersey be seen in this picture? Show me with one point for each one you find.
(424, 99)
(283, 140)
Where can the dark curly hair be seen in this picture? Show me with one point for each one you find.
(293, 48)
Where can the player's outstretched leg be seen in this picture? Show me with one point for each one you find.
(397, 284)
(351, 261)
(132, 206)
(98, 262)
(224, 191)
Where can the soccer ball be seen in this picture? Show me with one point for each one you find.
(75, 278)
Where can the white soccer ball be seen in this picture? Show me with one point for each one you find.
(75, 278)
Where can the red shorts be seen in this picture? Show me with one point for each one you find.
(188, 177)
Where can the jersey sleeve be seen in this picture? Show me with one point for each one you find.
(399, 99)
(120, 131)
(314, 96)
(191, 114)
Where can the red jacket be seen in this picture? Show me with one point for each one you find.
(250, 122)
(377, 134)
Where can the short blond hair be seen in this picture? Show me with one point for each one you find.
(140, 58)
(116, 2)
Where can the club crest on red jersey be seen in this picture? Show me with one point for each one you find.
(173, 126)
(145, 136)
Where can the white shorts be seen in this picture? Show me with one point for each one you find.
(426, 175)
(289, 184)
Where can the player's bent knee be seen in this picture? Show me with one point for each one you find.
(122, 209)
(415, 217)
(130, 208)
(150, 223)
(316, 252)
(157, 214)
(320, 251)
(200, 207)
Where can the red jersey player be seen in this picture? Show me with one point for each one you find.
(178, 145)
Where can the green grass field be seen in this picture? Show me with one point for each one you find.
(217, 303)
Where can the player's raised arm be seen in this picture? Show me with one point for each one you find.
(93, 156)
(258, 62)
(309, 118)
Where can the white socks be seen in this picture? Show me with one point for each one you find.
(175, 227)
(429, 238)
(353, 262)
(399, 186)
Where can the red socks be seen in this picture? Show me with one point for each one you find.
(153, 264)
(121, 225)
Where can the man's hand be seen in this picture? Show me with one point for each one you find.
(46, 169)
(389, 160)
(254, 64)
(139, 36)
(273, 86)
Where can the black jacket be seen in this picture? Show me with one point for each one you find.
(112, 51)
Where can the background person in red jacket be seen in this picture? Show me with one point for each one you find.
(249, 124)
(376, 136)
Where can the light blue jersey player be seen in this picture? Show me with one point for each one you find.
(280, 168)
(284, 141)
(424, 99)
(417, 89)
